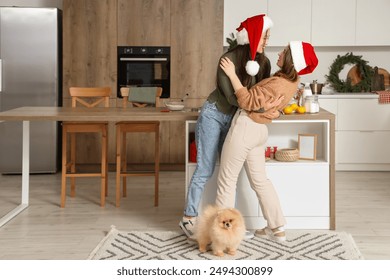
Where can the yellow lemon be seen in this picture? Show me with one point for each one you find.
(288, 110)
(294, 106)
(301, 109)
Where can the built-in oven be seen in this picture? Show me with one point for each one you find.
(144, 67)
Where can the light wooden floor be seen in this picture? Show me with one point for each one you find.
(45, 231)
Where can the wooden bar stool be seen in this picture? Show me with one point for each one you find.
(122, 128)
(89, 97)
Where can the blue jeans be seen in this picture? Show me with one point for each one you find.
(210, 132)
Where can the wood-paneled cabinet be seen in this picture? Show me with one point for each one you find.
(144, 23)
(89, 59)
(94, 28)
(196, 46)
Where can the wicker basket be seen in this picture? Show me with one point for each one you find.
(287, 155)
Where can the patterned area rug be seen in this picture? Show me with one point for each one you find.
(172, 245)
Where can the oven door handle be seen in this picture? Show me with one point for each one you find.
(143, 59)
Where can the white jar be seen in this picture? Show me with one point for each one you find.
(311, 104)
(306, 91)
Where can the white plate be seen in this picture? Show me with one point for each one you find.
(174, 106)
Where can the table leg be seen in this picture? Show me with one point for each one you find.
(25, 177)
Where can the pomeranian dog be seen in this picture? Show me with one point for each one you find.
(224, 228)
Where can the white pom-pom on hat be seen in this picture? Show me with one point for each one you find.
(252, 67)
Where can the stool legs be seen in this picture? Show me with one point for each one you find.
(156, 166)
(124, 164)
(73, 164)
(103, 174)
(121, 157)
(103, 189)
(64, 161)
(118, 166)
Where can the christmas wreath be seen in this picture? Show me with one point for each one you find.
(366, 73)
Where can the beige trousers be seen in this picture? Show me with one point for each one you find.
(244, 146)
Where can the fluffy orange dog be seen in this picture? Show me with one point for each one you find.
(224, 228)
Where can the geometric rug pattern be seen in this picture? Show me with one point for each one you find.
(173, 245)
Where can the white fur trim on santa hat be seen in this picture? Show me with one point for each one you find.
(298, 55)
(268, 23)
(242, 36)
(252, 67)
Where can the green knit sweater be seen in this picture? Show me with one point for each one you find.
(223, 95)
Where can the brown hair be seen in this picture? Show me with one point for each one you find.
(288, 71)
(242, 52)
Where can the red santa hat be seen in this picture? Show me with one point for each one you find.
(304, 57)
(249, 32)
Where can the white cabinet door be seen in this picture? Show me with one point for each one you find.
(363, 147)
(303, 190)
(372, 22)
(363, 114)
(292, 21)
(236, 12)
(333, 22)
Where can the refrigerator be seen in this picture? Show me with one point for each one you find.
(30, 75)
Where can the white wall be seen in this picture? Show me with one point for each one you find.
(376, 56)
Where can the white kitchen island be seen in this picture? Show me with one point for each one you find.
(306, 188)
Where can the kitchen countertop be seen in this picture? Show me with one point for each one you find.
(347, 95)
(321, 115)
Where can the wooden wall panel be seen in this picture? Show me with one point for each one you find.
(196, 45)
(94, 28)
(140, 146)
(89, 43)
(143, 23)
(89, 59)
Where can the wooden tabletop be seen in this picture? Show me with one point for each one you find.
(95, 114)
(122, 114)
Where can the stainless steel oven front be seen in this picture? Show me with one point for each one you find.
(144, 67)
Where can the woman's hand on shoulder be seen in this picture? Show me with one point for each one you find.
(227, 66)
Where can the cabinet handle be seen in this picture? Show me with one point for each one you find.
(367, 131)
